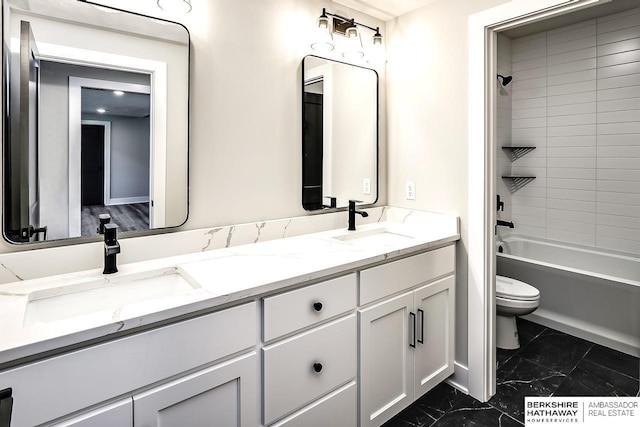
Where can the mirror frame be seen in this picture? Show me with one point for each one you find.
(5, 52)
(377, 142)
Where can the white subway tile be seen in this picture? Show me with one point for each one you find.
(619, 93)
(618, 15)
(572, 184)
(530, 74)
(619, 186)
(536, 42)
(538, 172)
(576, 119)
(572, 141)
(575, 98)
(621, 81)
(538, 92)
(573, 56)
(571, 226)
(570, 109)
(529, 83)
(619, 152)
(626, 21)
(618, 128)
(572, 205)
(520, 104)
(520, 134)
(535, 122)
(618, 163)
(528, 113)
(618, 58)
(619, 70)
(568, 35)
(619, 105)
(571, 88)
(606, 198)
(619, 209)
(575, 152)
(528, 162)
(570, 194)
(621, 221)
(578, 76)
(529, 210)
(577, 25)
(619, 116)
(572, 67)
(572, 45)
(528, 230)
(525, 55)
(619, 35)
(570, 162)
(531, 191)
(619, 47)
(528, 220)
(571, 130)
(536, 142)
(624, 139)
(619, 175)
(567, 236)
(538, 202)
(530, 64)
(574, 173)
(618, 232)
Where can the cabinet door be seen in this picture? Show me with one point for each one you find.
(118, 414)
(435, 333)
(386, 360)
(224, 395)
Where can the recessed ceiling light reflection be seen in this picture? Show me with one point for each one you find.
(101, 110)
(118, 92)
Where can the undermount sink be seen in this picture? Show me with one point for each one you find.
(380, 236)
(106, 293)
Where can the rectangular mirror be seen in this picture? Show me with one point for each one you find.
(339, 134)
(95, 104)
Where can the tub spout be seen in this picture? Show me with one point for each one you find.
(505, 223)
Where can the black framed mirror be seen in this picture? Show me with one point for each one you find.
(96, 120)
(339, 134)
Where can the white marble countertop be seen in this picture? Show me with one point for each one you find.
(215, 278)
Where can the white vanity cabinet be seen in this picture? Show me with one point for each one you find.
(310, 363)
(406, 339)
(60, 387)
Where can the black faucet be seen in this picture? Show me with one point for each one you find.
(111, 249)
(505, 223)
(352, 215)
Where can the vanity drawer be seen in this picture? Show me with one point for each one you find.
(336, 409)
(297, 309)
(290, 377)
(64, 384)
(387, 279)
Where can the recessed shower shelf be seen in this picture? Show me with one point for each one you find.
(517, 182)
(515, 152)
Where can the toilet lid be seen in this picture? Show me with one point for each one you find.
(515, 289)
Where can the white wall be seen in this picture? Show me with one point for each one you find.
(245, 108)
(427, 76)
(575, 96)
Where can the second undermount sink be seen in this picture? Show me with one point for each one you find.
(106, 293)
(380, 236)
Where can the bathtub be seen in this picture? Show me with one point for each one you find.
(584, 291)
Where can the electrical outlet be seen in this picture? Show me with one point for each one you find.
(411, 190)
(366, 186)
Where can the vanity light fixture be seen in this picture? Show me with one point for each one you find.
(348, 28)
(175, 6)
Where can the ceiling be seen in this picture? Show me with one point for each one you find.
(384, 9)
(129, 104)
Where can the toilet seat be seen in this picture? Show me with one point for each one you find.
(512, 289)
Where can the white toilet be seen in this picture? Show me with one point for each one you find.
(513, 298)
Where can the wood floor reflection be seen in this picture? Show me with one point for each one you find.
(128, 217)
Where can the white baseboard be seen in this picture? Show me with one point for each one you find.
(127, 200)
(460, 378)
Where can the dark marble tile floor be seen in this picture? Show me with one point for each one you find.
(548, 363)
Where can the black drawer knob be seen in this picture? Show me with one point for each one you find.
(317, 367)
(317, 306)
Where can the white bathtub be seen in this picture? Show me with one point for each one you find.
(584, 291)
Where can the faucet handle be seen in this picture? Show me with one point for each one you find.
(104, 219)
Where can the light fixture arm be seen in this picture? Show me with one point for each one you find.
(353, 21)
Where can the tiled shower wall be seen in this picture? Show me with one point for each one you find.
(576, 97)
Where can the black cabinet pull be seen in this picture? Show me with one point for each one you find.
(421, 313)
(317, 306)
(412, 343)
(317, 367)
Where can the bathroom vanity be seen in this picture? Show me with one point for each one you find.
(333, 328)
